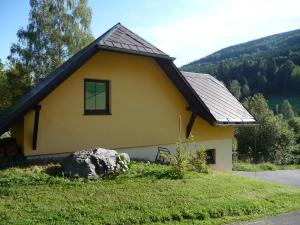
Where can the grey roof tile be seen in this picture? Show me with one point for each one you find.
(122, 38)
(219, 101)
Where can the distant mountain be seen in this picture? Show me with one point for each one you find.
(270, 65)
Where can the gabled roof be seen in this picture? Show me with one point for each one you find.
(122, 39)
(119, 39)
(224, 107)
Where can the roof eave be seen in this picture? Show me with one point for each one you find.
(250, 123)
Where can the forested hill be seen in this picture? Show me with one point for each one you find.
(270, 65)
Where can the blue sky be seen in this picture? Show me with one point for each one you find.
(185, 29)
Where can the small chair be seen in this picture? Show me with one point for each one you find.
(159, 158)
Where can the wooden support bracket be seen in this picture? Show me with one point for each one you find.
(37, 109)
(190, 124)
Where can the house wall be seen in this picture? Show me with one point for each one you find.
(145, 108)
(223, 152)
(17, 132)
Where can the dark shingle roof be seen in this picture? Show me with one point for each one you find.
(122, 39)
(225, 108)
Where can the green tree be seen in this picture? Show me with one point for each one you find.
(235, 88)
(246, 90)
(56, 31)
(5, 95)
(18, 81)
(272, 140)
(287, 110)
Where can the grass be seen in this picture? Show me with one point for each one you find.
(262, 167)
(144, 195)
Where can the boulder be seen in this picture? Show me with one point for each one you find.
(93, 163)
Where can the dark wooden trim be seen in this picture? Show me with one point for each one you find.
(37, 109)
(190, 124)
(105, 111)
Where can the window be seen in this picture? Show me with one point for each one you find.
(96, 97)
(211, 156)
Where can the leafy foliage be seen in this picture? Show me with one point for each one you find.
(56, 31)
(5, 94)
(189, 155)
(180, 160)
(235, 88)
(272, 141)
(199, 160)
(287, 110)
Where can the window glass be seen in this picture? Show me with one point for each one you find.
(96, 97)
(100, 96)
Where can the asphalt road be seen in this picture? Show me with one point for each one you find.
(292, 218)
(289, 177)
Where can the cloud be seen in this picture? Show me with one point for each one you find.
(202, 29)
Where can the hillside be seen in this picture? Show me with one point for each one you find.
(270, 65)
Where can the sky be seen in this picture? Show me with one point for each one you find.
(184, 29)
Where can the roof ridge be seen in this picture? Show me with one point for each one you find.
(120, 38)
(108, 32)
(141, 39)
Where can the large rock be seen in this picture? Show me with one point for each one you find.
(93, 163)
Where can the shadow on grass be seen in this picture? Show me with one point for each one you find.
(51, 167)
(167, 174)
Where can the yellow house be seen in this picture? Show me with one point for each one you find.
(120, 92)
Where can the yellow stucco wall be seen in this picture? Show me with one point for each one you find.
(145, 108)
(17, 132)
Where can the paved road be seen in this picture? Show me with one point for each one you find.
(292, 218)
(290, 177)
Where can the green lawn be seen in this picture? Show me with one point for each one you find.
(145, 195)
(262, 167)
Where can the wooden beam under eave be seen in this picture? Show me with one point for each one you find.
(190, 124)
(37, 109)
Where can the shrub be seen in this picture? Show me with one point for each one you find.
(268, 166)
(180, 160)
(124, 163)
(271, 141)
(183, 159)
(199, 160)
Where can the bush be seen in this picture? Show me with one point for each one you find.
(272, 141)
(180, 160)
(199, 160)
(183, 159)
(268, 166)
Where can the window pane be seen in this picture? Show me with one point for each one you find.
(90, 103)
(101, 96)
(90, 86)
(89, 95)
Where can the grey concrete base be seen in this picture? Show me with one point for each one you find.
(289, 177)
(292, 218)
